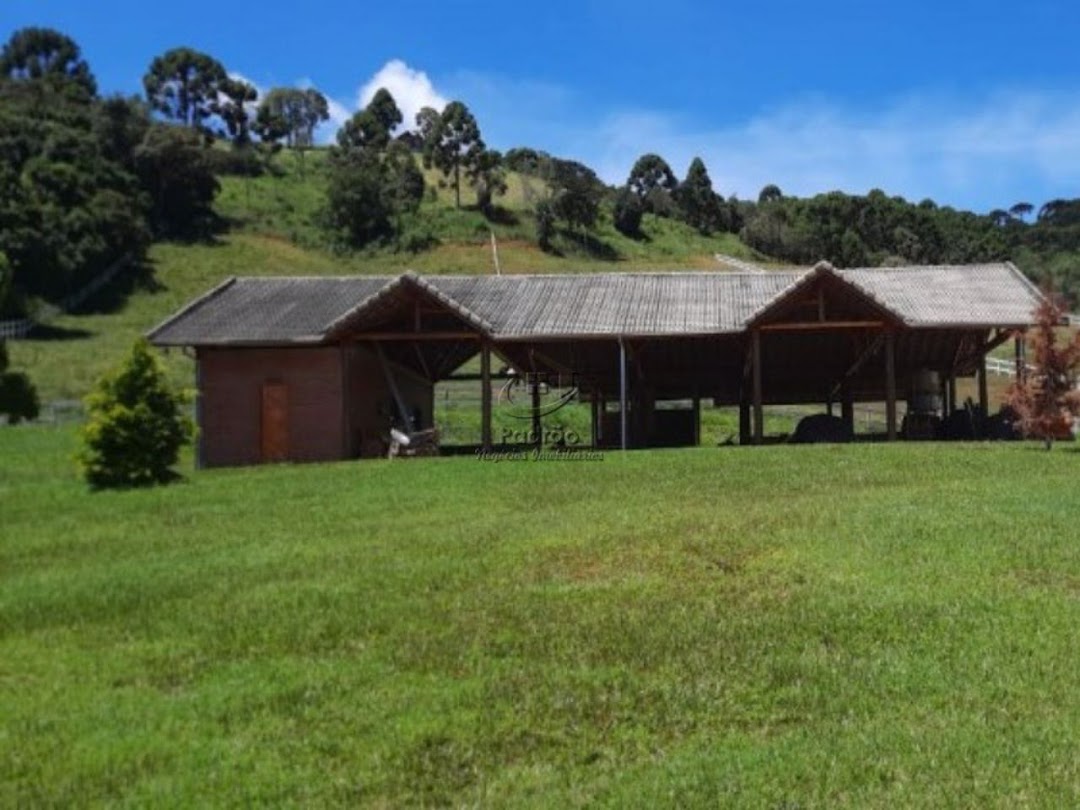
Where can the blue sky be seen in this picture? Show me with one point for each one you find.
(975, 104)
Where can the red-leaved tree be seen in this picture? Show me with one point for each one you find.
(1046, 399)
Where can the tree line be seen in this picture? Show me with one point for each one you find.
(89, 179)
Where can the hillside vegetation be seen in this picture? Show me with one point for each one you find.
(270, 229)
(308, 636)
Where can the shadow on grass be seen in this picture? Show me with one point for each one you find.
(498, 215)
(136, 277)
(590, 244)
(46, 333)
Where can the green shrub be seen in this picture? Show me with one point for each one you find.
(18, 399)
(545, 224)
(627, 213)
(136, 425)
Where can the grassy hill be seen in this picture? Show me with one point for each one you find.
(308, 636)
(272, 231)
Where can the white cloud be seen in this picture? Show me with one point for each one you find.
(978, 152)
(982, 153)
(411, 89)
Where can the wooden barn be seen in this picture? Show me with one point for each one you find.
(317, 368)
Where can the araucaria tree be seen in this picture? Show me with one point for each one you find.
(235, 99)
(453, 145)
(291, 114)
(47, 55)
(653, 181)
(136, 425)
(700, 205)
(184, 85)
(1046, 400)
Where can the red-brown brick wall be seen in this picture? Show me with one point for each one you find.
(230, 403)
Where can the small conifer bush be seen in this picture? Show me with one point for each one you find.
(136, 425)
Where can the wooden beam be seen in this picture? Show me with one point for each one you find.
(820, 325)
(420, 359)
(417, 336)
(860, 361)
(997, 340)
(478, 377)
(485, 395)
(1021, 361)
(403, 411)
(759, 417)
(744, 422)
(890, 385)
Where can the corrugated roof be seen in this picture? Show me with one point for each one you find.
(267, 310)
(950, 295)
(313, 309)
(613, 303)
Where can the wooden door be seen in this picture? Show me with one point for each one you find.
(275, 422)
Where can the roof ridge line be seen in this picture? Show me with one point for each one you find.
(432, 289)
(338, 322)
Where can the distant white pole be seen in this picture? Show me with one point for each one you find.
(495, 254)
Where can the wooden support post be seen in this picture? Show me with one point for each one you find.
(890, 385)
(537, 425)
(952, 394)
(601, 409)
(759, 416)
(744, 421)
(697, 420)
(984, 397)
(1021, 359)
(828, 406)
(847, 410)
(594, 419)
(485, 395)
(624, 437)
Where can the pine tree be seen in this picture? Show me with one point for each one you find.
(136, 426)
(700, 205)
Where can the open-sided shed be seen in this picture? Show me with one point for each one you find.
(316, 368)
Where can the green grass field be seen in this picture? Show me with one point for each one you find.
(859, 626)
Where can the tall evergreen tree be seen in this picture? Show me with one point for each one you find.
(69, 205)
(700, 205)
(653, 181)
(456, 145)
(184, 85)
(46, 55)
(385, 110)
(233, 106)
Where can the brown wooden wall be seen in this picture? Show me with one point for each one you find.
(231, 403)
